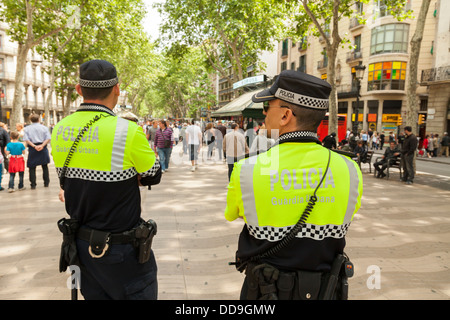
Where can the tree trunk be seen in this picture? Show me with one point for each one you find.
(66, 105)
(332, 113)
(416, 41)
(49, 102)
(17, 106)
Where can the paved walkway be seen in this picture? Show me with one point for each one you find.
(401, 231)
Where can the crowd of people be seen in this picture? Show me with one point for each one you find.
(405, 146)
(224, 140)
(26, 141)
(163, 135)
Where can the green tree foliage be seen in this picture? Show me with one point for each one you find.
(183, 85)
(230, 32)
(68, 33)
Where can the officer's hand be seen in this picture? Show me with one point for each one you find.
(139, 181)
(61, 195)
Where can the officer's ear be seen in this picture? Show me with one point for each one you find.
(287, 117)
(116, 90)
(78, 89)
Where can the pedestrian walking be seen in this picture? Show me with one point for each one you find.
(294, 238)
(436, 141)
(408, 151)
(210, 140)
(431, 146)
(37, 136)
(16, 151)
(445, 144)
(151, 134)
(176, 134)
(4, 140)
(375, 140)
(382, 137)
(261, 143)
(164, 144)
(183, 137)
(220, 134)
(1, 171)
(105, 235)
(194, 141)
(234, 146)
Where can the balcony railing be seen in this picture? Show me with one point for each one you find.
(321, 64)
(354, 23)
(441, 74)
(354, 55)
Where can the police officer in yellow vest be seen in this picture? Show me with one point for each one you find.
(297, 200)
(100, 172)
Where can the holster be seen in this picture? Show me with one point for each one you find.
(265, 282)
(144, 237)
(69, 253)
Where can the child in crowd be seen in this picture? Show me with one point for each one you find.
(16, 161)
(1, 171)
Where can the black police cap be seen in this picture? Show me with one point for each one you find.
(297, 88)
(98, 74)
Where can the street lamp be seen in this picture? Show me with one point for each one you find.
(359, 74)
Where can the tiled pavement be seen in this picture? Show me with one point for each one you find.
(402, 231)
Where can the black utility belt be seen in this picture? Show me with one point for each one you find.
(114, 238)
(140, 237)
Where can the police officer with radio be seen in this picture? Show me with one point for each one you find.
(101, 160)
(297, 200)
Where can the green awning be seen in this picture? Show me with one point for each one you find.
(235, 107)
(254, 110)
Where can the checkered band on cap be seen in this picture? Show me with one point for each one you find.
(302, 100)
(99, 84)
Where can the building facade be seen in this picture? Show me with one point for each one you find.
(382, 46)
(36, 82)
(224, 88)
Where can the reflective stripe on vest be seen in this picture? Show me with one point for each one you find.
(120, 140)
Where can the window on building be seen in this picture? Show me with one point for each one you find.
(302, 63)
(293, 65)
(357, 44)
(380, 8)
(284, 49)
(389, 38)
(325, 57)
(302, 45)
(2, 67)
(283, 66)
(389, 75)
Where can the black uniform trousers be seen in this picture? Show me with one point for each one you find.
(117, 275)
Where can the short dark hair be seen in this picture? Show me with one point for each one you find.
(96, 93)
(233, 126)
(34, 118)
(308, 119)
(408, 128)
(14, 135)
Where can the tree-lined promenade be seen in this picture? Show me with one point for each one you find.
(173, 75)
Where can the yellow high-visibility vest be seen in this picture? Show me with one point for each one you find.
(101, 179)
(271, 190)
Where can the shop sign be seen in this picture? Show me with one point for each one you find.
(390, 117)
